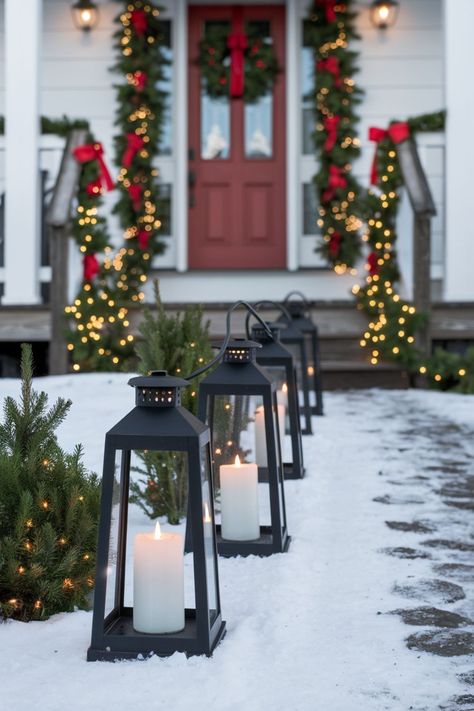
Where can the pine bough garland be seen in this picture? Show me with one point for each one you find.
(329, 30)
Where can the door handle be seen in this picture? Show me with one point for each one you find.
(191, 178)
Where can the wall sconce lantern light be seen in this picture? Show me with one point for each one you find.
(85, 14)
(384, 13)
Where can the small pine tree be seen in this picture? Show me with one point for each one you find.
(48, 510)
(179, 344)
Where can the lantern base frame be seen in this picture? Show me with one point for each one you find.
(263, 546)
(121, 641)
(289, 472)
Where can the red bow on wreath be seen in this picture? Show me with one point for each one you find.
(330, 65)
(397, 132)
(330, 8)
(337, 179)
(372, 261)
(237, 43)
(335, 244)
(94, 151)
(139, 21)
(143, 238)
(331, 124)
(91, 267)
(134, 144)
(135, 192)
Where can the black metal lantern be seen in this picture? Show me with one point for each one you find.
(300, 312)
(239, 403)
(277, 363)
(384, 13)
(85, 14)
(157, 621)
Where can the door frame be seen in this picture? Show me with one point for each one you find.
(293, 139)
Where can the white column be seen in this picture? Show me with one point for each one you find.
(293, 134)
(180, 196)
(459, 255)
(22, 44)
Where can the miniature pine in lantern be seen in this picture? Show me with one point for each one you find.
(48, 510)
(180, 345)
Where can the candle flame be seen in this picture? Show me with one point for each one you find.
(207, 515)
(383, 12)
(157, 531)
(310, 370)
(237, 461)
(284, 388)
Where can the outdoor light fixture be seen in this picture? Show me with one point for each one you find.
(85, 14)
(384, 13)
(300, 312)
(276, 362)
(239, 402)
(155, 619)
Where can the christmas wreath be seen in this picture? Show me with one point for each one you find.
(239, 64)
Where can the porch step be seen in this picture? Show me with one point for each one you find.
(344, 375)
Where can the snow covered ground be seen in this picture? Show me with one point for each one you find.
(308, 630)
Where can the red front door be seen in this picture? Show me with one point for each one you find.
(237, 196)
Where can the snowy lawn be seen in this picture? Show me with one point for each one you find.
(307, 630)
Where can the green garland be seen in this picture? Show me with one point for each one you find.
(141, 107)
(260, 64)
(391, 332)
(329, 30)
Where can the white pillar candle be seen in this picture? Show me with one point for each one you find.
(239, 501)
(260, 437)
(282, 395)
(158, 582)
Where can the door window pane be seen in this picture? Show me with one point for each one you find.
(307, 89)
(259, 129)
(310, 210)
(215, 112)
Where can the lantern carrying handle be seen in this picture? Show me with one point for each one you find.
(266, 302)
(228, 332)
(300, 294)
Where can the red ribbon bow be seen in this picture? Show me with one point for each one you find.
(143, 238)
(94, 151)
(329, 7)
(330, 65)
(139, 80)
(237, 43)
(335, 244)
(331, 124)
(134, 144)
(139, 21)
(94, 188)
(135, 192)
(337, 179)
(372, 261)
(91, 267)
(397, 132)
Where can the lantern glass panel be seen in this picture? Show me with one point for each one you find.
(209, 535)
(111, 575)
(277, 374)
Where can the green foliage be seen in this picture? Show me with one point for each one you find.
(48, 510)
(335, 97)
(180, 345)
(260, 63)
(451, 371)
(141, 105)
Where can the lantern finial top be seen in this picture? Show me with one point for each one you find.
(241, 351)
(158, 389)
(260, 335)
